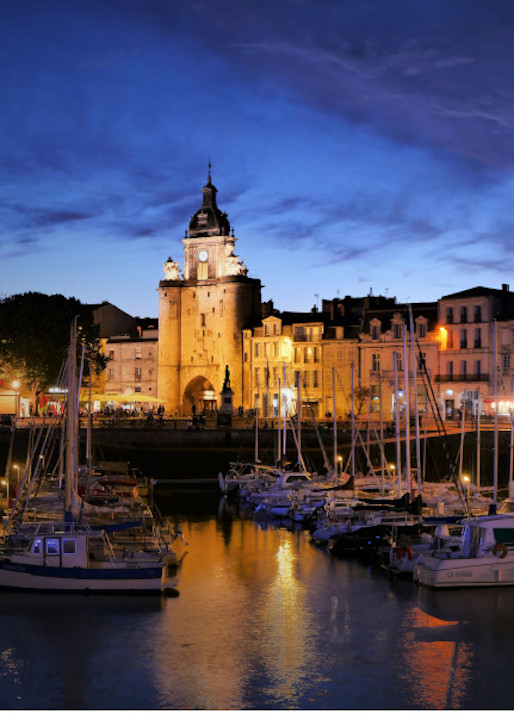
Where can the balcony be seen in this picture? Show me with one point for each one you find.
(462, 377)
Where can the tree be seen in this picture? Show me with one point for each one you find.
(34, 337)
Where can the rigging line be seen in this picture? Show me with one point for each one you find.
(442, 430)
(358, 435)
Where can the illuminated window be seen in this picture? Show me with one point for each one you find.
(139, 353)
(52, 546)
(69, 546)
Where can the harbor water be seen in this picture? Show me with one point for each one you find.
(264, 620)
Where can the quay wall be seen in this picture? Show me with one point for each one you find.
(181, 454)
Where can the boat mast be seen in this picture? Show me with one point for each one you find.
(495, 387)
(415, 389)
(334, 419)
(406, 409)
(397, 428)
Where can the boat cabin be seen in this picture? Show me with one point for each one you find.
(480, 535)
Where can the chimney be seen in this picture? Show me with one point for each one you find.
(505, 287)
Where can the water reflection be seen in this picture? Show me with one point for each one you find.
(435, 663)
(264, 620)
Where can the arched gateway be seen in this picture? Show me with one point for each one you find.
(199, 396)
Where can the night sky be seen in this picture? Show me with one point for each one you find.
(356, 145)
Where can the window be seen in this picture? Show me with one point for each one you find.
(52, 546)
(257, 349)
(449, 315)
(306, 379)
(69, 546)
(111, 354)
(478, 313)
(478, 368)
(505, 362)
(375, 362)
(203, 271)
(450, 339)
(138, 389)
(463, 339)
(202, 319)
(275, 376)
(464, 313)
(450, 369)
(422, 329)
(36, 546)
(397, 359)
(478, 337)
(139, 353)
(137, 374)
(397, 330)
(257, 377)
(315, 378)
(464, 369)
(275, 349)
(110, 373)
(374, 332)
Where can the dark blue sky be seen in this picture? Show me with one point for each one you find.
(355, 144)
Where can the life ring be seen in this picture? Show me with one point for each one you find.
(501, 550)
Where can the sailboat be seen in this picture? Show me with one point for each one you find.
(62, 555)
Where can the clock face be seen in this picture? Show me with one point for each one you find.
(202, 256)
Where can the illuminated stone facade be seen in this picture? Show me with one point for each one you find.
(202, 314)
(347, 347)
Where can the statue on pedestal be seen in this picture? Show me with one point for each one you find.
(171, 270)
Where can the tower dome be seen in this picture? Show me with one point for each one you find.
(209, 220)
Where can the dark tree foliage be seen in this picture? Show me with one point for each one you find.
(35, 335)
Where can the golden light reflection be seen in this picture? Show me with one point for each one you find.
(443, 337)
(248, 578)
(436, 666)
(286, 616)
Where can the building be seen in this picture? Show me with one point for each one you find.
(476, 344)
(132, 367)
(349, 348)
(202, 314)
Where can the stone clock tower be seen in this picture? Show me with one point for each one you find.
(202, 314)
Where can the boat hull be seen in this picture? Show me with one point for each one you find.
(464, 572)
(21, 576)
